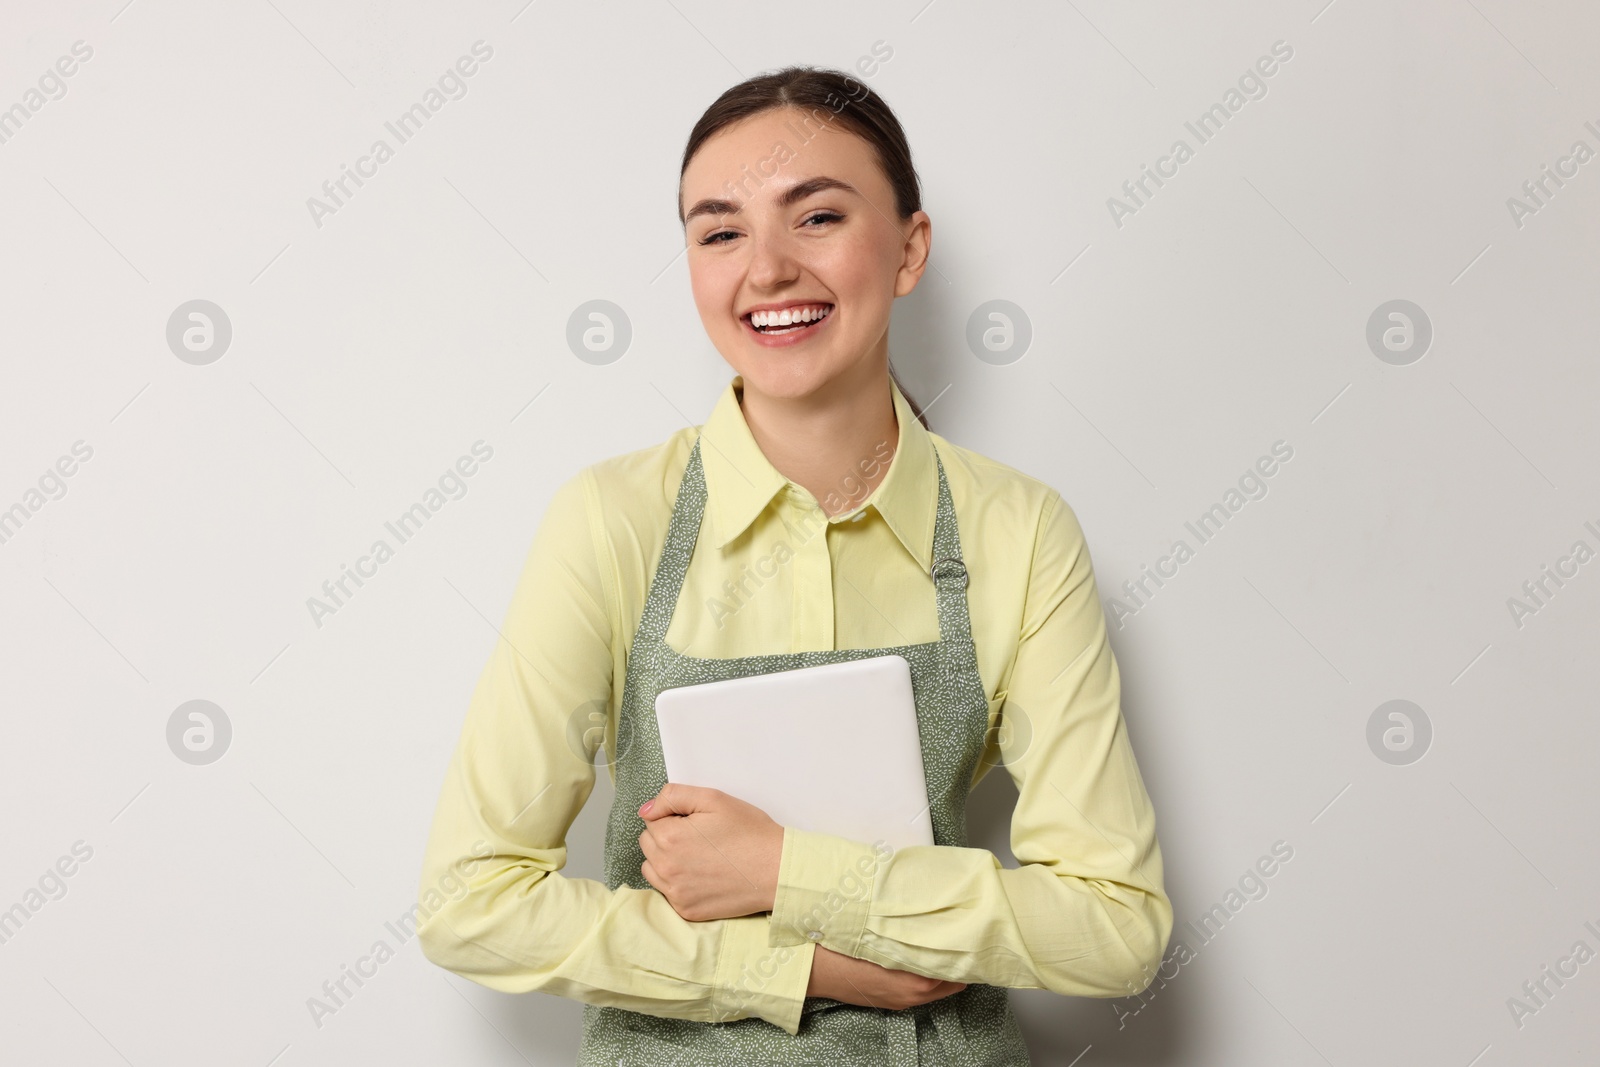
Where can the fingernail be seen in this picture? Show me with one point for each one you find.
(646, 806)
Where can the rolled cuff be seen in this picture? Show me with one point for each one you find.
(756, 979)
(824, 894)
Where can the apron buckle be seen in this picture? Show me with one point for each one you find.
(934, 570)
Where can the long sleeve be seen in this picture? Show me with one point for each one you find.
(492, 905)
(1085, 913)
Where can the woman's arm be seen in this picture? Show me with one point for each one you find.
(492, 905)
(1085, 914)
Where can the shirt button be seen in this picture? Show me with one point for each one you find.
(815, 935)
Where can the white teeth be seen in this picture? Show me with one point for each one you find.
(789, 316)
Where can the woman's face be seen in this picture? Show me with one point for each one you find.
(785, 212)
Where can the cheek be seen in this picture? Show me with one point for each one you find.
(867, 289)
(713, 285)
(862, 270)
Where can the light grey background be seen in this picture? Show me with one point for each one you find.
(1167, 354)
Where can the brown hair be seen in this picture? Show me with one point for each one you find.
(854, 107)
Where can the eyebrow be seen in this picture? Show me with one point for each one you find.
(793, 195)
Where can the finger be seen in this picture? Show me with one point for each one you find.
(649, 873)
(676, 799)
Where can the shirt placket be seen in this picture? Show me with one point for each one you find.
(812, 608)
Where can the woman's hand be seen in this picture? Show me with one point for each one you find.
(852, 981)
(712, 855)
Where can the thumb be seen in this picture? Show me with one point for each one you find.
(675, 799)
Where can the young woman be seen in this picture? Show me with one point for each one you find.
(813, 518)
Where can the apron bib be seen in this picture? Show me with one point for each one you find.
(972, 1028)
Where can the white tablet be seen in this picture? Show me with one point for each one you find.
(833, 749)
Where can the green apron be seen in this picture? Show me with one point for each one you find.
(972, 1028)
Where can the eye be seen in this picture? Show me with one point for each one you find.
(824, 216)
(712, 239)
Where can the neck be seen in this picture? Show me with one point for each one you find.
(829, 441)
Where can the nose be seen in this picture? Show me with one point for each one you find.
(772, 261)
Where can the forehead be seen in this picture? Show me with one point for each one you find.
(761, 155)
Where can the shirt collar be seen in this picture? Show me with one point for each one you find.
(741, 481)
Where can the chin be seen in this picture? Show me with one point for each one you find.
(788, 379)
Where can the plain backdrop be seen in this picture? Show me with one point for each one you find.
(1441, 859)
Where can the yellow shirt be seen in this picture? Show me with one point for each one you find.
(1084, 915)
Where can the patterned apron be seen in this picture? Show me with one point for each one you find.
(972, 1028)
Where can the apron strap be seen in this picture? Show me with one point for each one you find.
(683, 530)
(949, 569)
(901, 1027)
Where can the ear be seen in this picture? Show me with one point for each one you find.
(918, 231)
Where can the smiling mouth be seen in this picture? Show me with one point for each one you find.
(789, 320)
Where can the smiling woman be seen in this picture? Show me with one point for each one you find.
(813, 134)
(718, 935)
